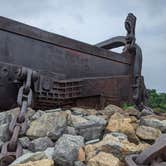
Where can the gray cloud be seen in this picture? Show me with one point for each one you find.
(97, 20)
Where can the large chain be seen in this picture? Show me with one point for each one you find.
(12, 149)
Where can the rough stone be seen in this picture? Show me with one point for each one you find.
(148, 133)
(146, 111)
(70, 130)
(49, 152)
(5, 118)
(67, 149)
(47, 123)
(111, 109)
(120, 123)
(40, 144)
(90, 130)
(4, 132)
(115, 145)
(90, 127)
(44, 162)
(104, 159)
(25, 151)
(25, 141)
(133, 112)
(54, 135)
(96, 119)
(76, 120)
(155, 123)
(81, 154)
(29, 157)
(37, 115)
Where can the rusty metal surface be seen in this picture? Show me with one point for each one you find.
(69, 71)
(44, 70)
(155, 155)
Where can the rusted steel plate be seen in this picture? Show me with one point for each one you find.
(58, 40)
(154, 151)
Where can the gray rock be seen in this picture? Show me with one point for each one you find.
(83, 111)
(146, 111)
(148, 133)
(37, 115)
(25, 141)
(49, 152)
(91, 129)
(1, 143)
(78, 111)
(76, 120)
(111, 109)
(25, 151)
(79, 163)
(5, 118)
(4, 132)
(96, 119)
(40, 144)
(70, 130)
(155, 123)
(54, 135)
(66, 149)
(48, 123)
(29, 157)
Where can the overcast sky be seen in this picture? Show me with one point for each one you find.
(92, 21)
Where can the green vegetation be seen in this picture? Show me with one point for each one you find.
(157, 101)
(127, 105)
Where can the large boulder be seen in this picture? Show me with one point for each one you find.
(111, 109)
(76, 120)
(131, 111)
(66, 149)
(92, 129)
(104, 159)
(118, 145)
(148, 133)
(121, 123)
(155, 123)
(50, 124)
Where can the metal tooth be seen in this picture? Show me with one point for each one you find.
(154, 151)
(155, 155)
(130, 160)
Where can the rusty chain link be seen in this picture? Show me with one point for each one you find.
(12, 149)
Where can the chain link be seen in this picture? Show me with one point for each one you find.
(12, 149)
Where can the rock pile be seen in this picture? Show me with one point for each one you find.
(83, 137)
